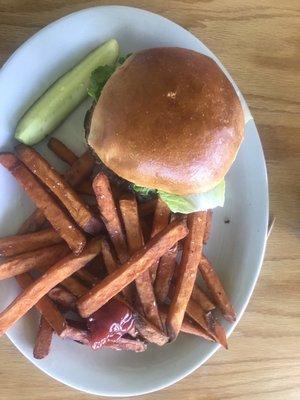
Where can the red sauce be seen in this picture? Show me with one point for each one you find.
(109, 323)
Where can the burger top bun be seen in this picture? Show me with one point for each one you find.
(168, 119)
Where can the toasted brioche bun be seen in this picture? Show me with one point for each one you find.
(168, 119)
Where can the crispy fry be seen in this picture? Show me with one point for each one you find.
(86, 188)
(147, 208)
(81, 335)
(187, 271)
(207, 322)
(33, 223)
(220, 333)
(193, 329)
(202, 299)
(110, 262)
(97, 268)
(59, 186)
(216, 289)
(146, 222)
(164, 274)
(160, 221)
(62, 151)
(13, 266)
(198, 295)
(58, 218)
(45, 306)
(133, 332)
(18, 244)
(63, 297)
(80, 170)
(128, 272)
(43, 340)
(57, 273)
(135, 240)
(127, 344)
(77, 334)
(110, 215)
(67, 155)
(208, 226)
(187, 325)
(74, 286)
(149, 331)
(76, 174)
(86, 277)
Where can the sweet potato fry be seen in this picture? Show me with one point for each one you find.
(45, 306)
(97, 268)
(60, 187)
(136, 265)
(80, 170)
(187, 272)
(13, 266)
(43, 340)
(135, 240)
(198, 295)
(86, 277)
(192, 329)
(149, 331)
(110, 262)
(127, 344)
(57, 273)
(58, 218)
(67, 155)
(62, 151)
(216, 289)
(133, 332)
(207, 322)
(160, 221)
(110, 215)
(146, 222)
(63, 297)
(164, 274)
(86, 188)
(208, 224)
(18, 244)
(33, 223)
(187, 325)
(77, 334)
(81, 335)
(220, 333)
(74, 286)
(202, 299)
(147, 208)
(74, 176)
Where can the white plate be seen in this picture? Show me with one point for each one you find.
(235, 248)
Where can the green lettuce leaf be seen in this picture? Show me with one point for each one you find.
(143, 191)
(195, 202)
(101, 75)
(188, 204)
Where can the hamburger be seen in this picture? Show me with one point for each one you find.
(169, 122)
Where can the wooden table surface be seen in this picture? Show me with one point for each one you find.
(259, 42)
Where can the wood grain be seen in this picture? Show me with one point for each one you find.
(258, 41)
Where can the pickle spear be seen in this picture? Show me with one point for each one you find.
(63, 96)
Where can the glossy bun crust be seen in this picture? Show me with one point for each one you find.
(168, 119)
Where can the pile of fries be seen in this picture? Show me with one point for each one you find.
(88, 246)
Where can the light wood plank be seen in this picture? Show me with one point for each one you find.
(258, 41)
